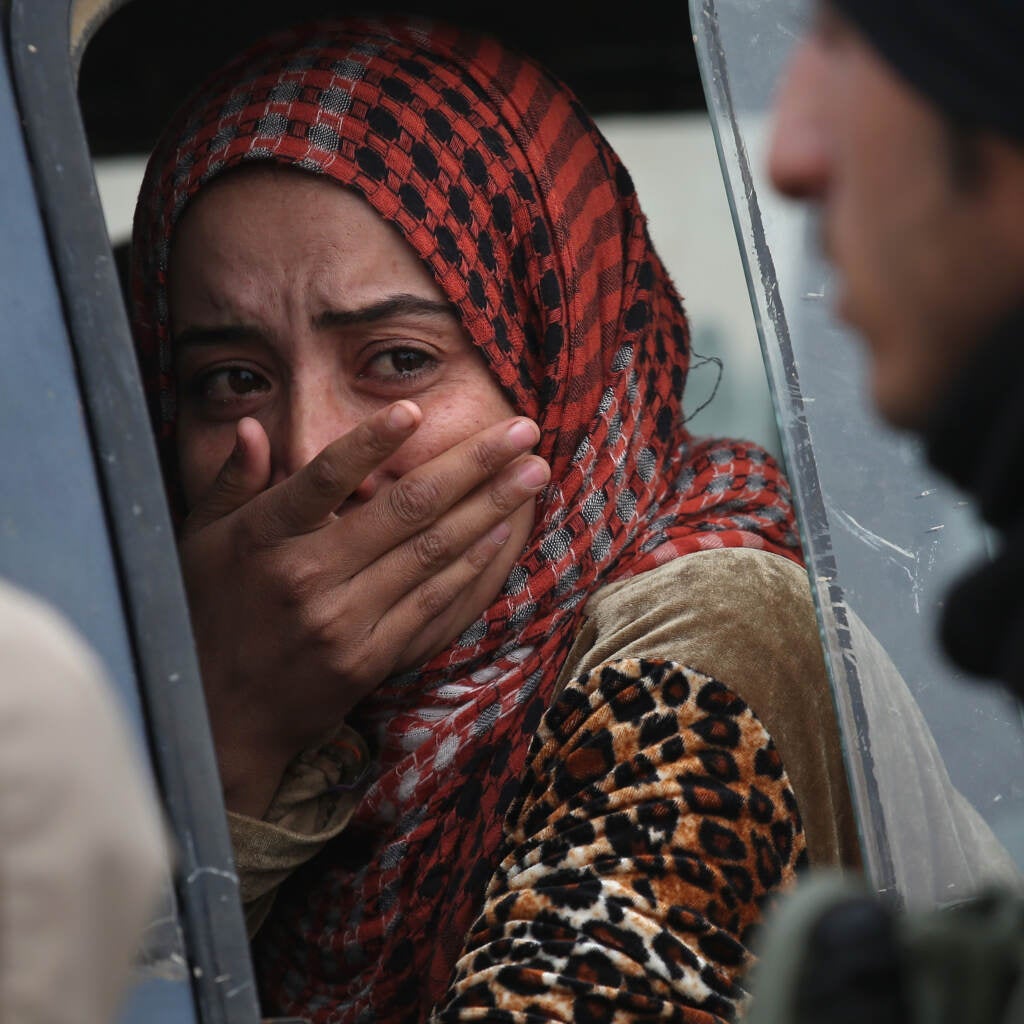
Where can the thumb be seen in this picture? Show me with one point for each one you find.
(245, 473)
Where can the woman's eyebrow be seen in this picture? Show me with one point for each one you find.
(230, 333)
(394, 305)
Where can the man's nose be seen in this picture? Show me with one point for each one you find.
(798, 160)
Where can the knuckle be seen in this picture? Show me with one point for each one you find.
(347, 660)
(507, 494)
(313, 627)
(487, 457)
(413, 501)
(324, 477)
(319, 632)
(429, 548)
(341, 665)
(301, 587)
(504, 499)
(433, 598)
(255, 532)
(479, 556)
(334, 640)
(229, 483)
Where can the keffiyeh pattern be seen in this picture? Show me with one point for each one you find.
(504, 186)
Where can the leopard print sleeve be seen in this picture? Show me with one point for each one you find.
(654, 823)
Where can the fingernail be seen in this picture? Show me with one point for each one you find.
(532, 474)
(522, 434)
(400, 417)
(501, 533)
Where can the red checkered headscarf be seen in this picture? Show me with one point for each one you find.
(508, 192)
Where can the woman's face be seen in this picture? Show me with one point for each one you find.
(293, 302)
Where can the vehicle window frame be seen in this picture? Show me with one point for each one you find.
(43, 68)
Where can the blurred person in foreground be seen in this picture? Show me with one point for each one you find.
(903, 124)
(83, 851)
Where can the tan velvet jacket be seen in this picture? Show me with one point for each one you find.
(742, 616)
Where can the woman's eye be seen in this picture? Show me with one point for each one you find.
(400, 363)
(230, 383)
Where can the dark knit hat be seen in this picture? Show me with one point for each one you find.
(965, 55)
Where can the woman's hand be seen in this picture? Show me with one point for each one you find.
(302, 604)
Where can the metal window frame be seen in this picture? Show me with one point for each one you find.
(44, 72)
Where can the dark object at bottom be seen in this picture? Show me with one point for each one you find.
(833, 953)
(852, 971)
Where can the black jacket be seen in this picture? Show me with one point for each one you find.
(976, 438)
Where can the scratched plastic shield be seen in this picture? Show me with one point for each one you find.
(935, 757)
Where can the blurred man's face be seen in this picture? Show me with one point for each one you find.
(921, 255)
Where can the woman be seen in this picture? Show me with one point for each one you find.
(481, 625)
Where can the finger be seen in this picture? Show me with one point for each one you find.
(446, 541)
(309, 497)
(495, 501)
(424, 494)
(245, 473)
(427, 611)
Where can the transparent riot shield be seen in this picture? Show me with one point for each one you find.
(935, 758)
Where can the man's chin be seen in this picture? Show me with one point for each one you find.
(899, 406)
(844, 309)
(893, 398)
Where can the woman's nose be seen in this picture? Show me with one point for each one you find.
(312, 418)
(798, 162)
